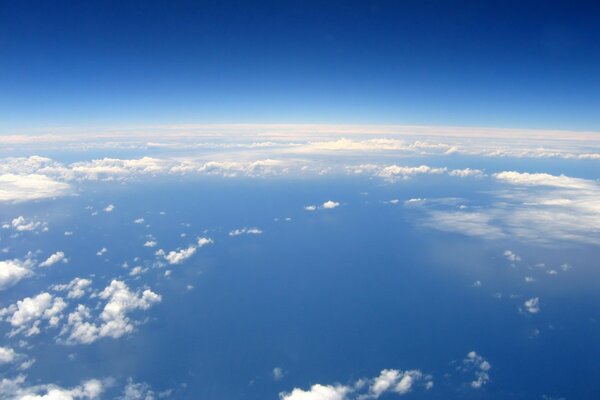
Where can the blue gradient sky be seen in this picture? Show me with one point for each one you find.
(529, 64)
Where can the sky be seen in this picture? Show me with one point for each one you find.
(299, 200)
(513, 64)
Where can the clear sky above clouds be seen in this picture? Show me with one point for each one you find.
(528, 64)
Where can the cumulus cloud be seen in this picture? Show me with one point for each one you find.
(204, 241)
(310, 208)
(27, 315)
(512, 257)
(17, 188)
(16, 388)
(12, 271)
(7, 355)
(54, 258)
(109, 208)
(21, 224)
(477, 365)
(245, 231)
(330, 204)
(114, 321)
(102, 251)
(177, 256)
(278, 373)
(532, 305)
(150, 243)
(388, 381)
(76, 289)
(138, 221)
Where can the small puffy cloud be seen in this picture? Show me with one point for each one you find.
(114, 320)
(77, 288)
(310, 208)
(177, 256)
(18, 188)
(511, 256)
(109, 208)
(532, 305)
(12, 271)
(476, 364)
(21, 224)
(278, 373)
(138, 221)
(101, 252)
(27, 315)
(388, 381)
(329, 204)
(7, 355)
(16, 389)
(245, 231)
(150, 243)
(204, 241)
(54, 258)
(467, 172)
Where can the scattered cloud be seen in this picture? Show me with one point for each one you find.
(245, 231)
(12, 271)
(532, 305)
(388, 381)
(477, 365)
(177, 256)
(54, 258)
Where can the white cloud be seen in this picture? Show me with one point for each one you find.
(17, 188)
(510, 256)
(12, 271)
(388, 381)
(101, 252)
(15, 389)
(540, 208)
(7, 355)
(177, 256)
(109, 208)
(21, 224)
(150, 243)
(204, 241)
(27, 315)
(77, 288)
(54, 258)
(330, 204)
(476, 364)
(310, 208)
(278, 373)
(113, 321)
(532, 305)
(245, 231)
(138, 221)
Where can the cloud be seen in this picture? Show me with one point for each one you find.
(512, 257)
(278, 373)
(310, 208)
(21, 224)
(27, 315)
(177, 256)
(113, 321)
(329, 204)
(7, 355)
(18, 188)
(150, 243)
(15, 389)
(138, 221)
(532, 305)
(540, 208)
(12, 271)
(388, 381)
(109, 208)
(204, 241)
(102, 251)
(245, 231)
(476, 364)
(77, 288)
(54, 258)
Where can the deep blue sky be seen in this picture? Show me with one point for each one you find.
(501, 63)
